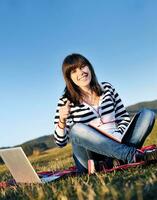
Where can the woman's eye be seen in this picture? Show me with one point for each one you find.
(82, 67)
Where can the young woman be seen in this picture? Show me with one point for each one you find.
(86, 102)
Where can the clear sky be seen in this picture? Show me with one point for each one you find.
(118, 37)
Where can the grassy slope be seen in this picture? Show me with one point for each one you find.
(137, 183)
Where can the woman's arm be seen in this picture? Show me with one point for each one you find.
(62, 123)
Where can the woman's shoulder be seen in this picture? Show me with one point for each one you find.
(106, 85)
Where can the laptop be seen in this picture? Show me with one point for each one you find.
(20, 167)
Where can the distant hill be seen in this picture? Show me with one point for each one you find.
(38, 144)
(147, 104)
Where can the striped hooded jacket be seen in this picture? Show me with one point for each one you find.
(110, 107)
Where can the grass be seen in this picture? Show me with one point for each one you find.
(137, 183)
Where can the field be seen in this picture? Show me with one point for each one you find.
(136, 183)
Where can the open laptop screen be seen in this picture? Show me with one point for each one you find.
(19, 165)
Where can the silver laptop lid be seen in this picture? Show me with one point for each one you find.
(19, 165)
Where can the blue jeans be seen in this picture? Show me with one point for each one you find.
(87, 143)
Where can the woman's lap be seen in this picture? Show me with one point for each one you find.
(137, 133)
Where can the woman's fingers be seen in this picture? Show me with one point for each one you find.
(65, 110)
(67, 106)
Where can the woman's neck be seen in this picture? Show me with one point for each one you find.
(86, 91)
(91, 98)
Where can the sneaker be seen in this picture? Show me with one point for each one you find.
(151, 154)
(146, 155)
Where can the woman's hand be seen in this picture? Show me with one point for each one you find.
(64, 113)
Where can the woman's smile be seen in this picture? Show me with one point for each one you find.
(81, 76)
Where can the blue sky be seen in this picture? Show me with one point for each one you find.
(118, 37)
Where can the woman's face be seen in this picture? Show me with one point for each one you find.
(81, 76)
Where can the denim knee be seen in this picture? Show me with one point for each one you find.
(148, 114)
(76, 132)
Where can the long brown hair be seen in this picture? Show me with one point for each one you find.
(72, 91)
